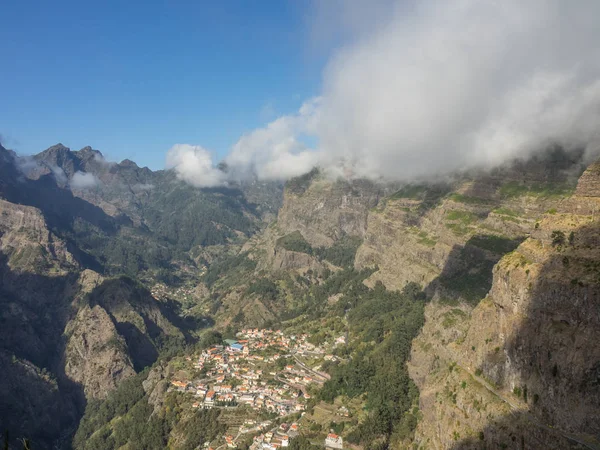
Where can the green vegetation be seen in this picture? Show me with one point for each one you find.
(295, 242)
(341, 253)
(126, 418)
(506, 212)
(411, 191)
(545, 190)
(464, 217)
(558, 238)
(302, 443)
(459, 198)
(517, 391)
(264, 288)
(382, 325)
(228, 265)
(462, 221)
(452, 317)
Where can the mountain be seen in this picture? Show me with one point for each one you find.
(171, 217)
(73, 326)
(466, 309)
(507, 260)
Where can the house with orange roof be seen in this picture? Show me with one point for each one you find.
(334, 441)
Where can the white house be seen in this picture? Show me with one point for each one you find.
(334, 441)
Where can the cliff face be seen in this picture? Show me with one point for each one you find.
(439, 235)
(519, 370)
(29, 244)
(67, 334)
(96, 355)
(488, 366)
(324, 210)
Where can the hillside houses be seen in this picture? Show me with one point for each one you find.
(334, 441)
(246, 374)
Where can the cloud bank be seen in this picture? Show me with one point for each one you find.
(438, 86)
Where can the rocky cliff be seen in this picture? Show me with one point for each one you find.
(96, 355)
(504, 359)
(518, 370)
(67, 334)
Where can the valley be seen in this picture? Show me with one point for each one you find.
(326, 312)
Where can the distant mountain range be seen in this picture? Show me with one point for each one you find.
(469, 304)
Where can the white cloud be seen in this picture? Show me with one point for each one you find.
(141, 187)
(59, 174)
(194, 164)
(463, 83)
(83, 180)
(433, 86)
(277, 151)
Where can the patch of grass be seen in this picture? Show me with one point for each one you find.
(458, 228)
(464, 217)
(506, 212)
(452, 317)
(462, 220)
(545, 190)
(460, 198)
(411, 191)
(425, 239)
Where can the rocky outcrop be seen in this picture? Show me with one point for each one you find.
(157, 384)
(29, 244)
(96, 355)
(288, 260)
(589, 183)
(138, 318)
(325, 210)
(520, 370)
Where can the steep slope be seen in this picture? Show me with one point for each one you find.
(67, 334)
(150, 198)
(453, 239)
(448, 236)
(519, 369)
(317, 231)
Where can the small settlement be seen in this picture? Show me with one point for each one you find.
(262, 373)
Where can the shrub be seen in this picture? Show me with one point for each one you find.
(558, 238)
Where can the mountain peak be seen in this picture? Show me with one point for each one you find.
(88, 152)
(55, 149)
(128, 163)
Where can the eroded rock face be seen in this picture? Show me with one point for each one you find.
(96, 355)
(287, 260)
(326, 210)
(29, 244)
(520, 369)
(589, 183)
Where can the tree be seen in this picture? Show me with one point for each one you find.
(558, 238)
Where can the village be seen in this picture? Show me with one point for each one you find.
(261, 374)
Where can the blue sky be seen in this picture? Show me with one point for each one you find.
(133, 78)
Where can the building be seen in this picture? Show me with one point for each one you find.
(334, 441)
(236, 347)
(210, 397)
